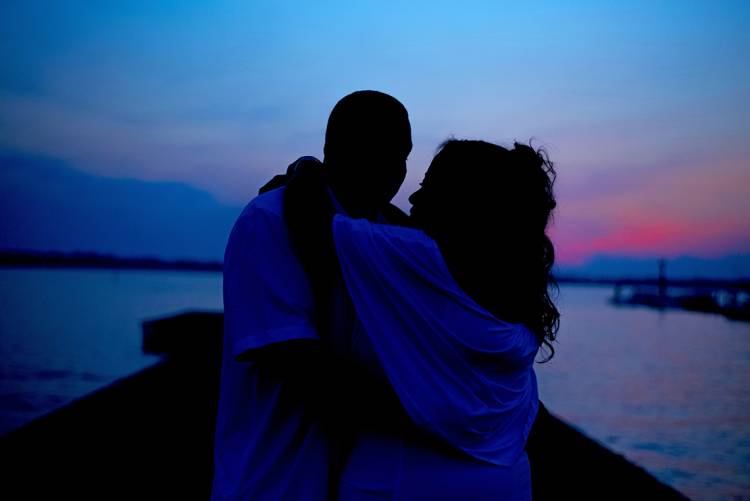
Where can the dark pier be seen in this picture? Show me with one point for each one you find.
(150, 435)
(728, 298)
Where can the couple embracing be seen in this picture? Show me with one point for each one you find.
(372, 355)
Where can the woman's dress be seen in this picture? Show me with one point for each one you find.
(461, 374)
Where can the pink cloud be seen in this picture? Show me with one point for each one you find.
(701, 207)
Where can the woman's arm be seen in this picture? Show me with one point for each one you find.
(337, 389)
(308, 213)
(460, 373)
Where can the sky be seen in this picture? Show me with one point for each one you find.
(642, 106)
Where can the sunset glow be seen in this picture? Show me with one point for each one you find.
(642, 106)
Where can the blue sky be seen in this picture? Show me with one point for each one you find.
(642, 105)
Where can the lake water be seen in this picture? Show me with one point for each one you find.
(67, 332)
(669, 390)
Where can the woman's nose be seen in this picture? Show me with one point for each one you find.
(414, 196)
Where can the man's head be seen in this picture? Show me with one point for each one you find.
(368, 139)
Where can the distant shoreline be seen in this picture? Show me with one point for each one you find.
(696, 283)
(93, 260)
(21, 259)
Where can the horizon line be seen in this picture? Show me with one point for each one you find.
(92, 259)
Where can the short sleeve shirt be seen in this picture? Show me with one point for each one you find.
(265, 445)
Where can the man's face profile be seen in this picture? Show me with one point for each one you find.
(368, 140)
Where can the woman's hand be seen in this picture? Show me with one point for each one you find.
(308, 212)
(279, 180)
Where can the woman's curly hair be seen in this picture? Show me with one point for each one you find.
(488, 209)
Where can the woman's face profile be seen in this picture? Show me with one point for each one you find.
(441, 196)
(422, 201)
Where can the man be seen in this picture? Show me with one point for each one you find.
(278, 388)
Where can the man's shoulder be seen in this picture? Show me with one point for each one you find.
(270, 202)
(262, 215)
(260, 228)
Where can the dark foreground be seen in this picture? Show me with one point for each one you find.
(150, 436)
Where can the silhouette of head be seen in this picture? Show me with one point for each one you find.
(488, 208)
(368, 139)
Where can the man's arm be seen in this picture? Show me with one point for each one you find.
(338, 393)
(341, 391)
(270, 321)
(266, 295)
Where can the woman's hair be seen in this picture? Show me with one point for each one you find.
(488, 209)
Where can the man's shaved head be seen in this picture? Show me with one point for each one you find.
(368, 139)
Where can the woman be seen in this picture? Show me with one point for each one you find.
(454, 311)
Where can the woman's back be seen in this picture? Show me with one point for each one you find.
(461, 374)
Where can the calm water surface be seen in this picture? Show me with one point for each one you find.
(669, 390)
(67, 332)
